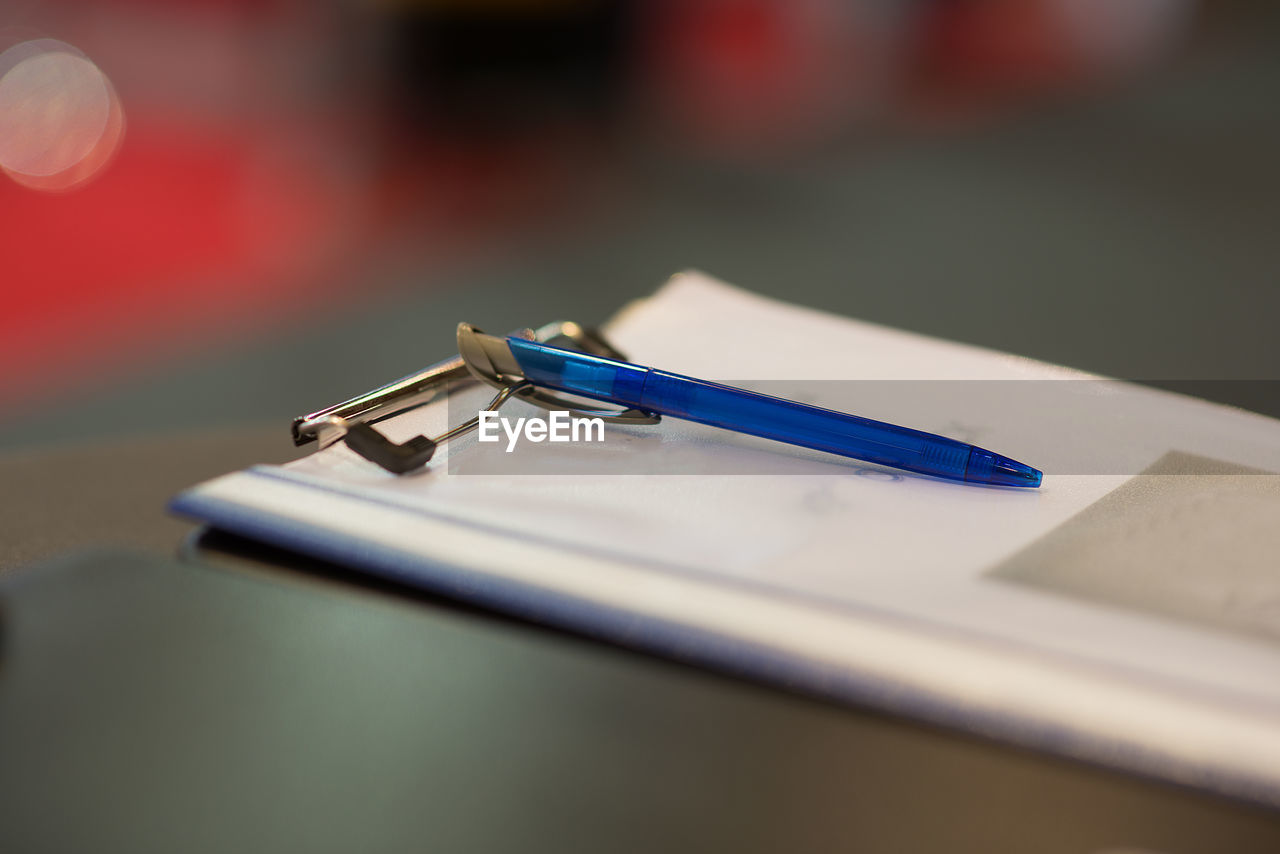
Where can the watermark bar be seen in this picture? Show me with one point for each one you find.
(1063, 427)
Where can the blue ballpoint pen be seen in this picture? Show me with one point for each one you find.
(502, 361)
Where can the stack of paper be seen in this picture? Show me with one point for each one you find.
(1126, 618)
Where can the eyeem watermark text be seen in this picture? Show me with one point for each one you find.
(559, 426)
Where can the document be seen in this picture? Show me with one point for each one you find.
(1127, 612)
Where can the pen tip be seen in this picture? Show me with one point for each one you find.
(987, 467)
(1007, 472)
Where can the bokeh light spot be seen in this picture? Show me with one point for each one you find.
(60, 120)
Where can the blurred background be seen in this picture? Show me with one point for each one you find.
(225, 212)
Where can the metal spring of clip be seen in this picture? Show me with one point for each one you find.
(352, 421)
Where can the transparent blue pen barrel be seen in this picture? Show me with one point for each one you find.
(800, 424)
(580, 373)
(768, 417)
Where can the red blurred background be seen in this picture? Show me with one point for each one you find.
(273, 149)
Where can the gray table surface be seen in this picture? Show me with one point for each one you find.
(112, 493)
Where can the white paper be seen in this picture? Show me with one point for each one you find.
(853, 566)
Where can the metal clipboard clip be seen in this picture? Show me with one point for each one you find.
(352, 421)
